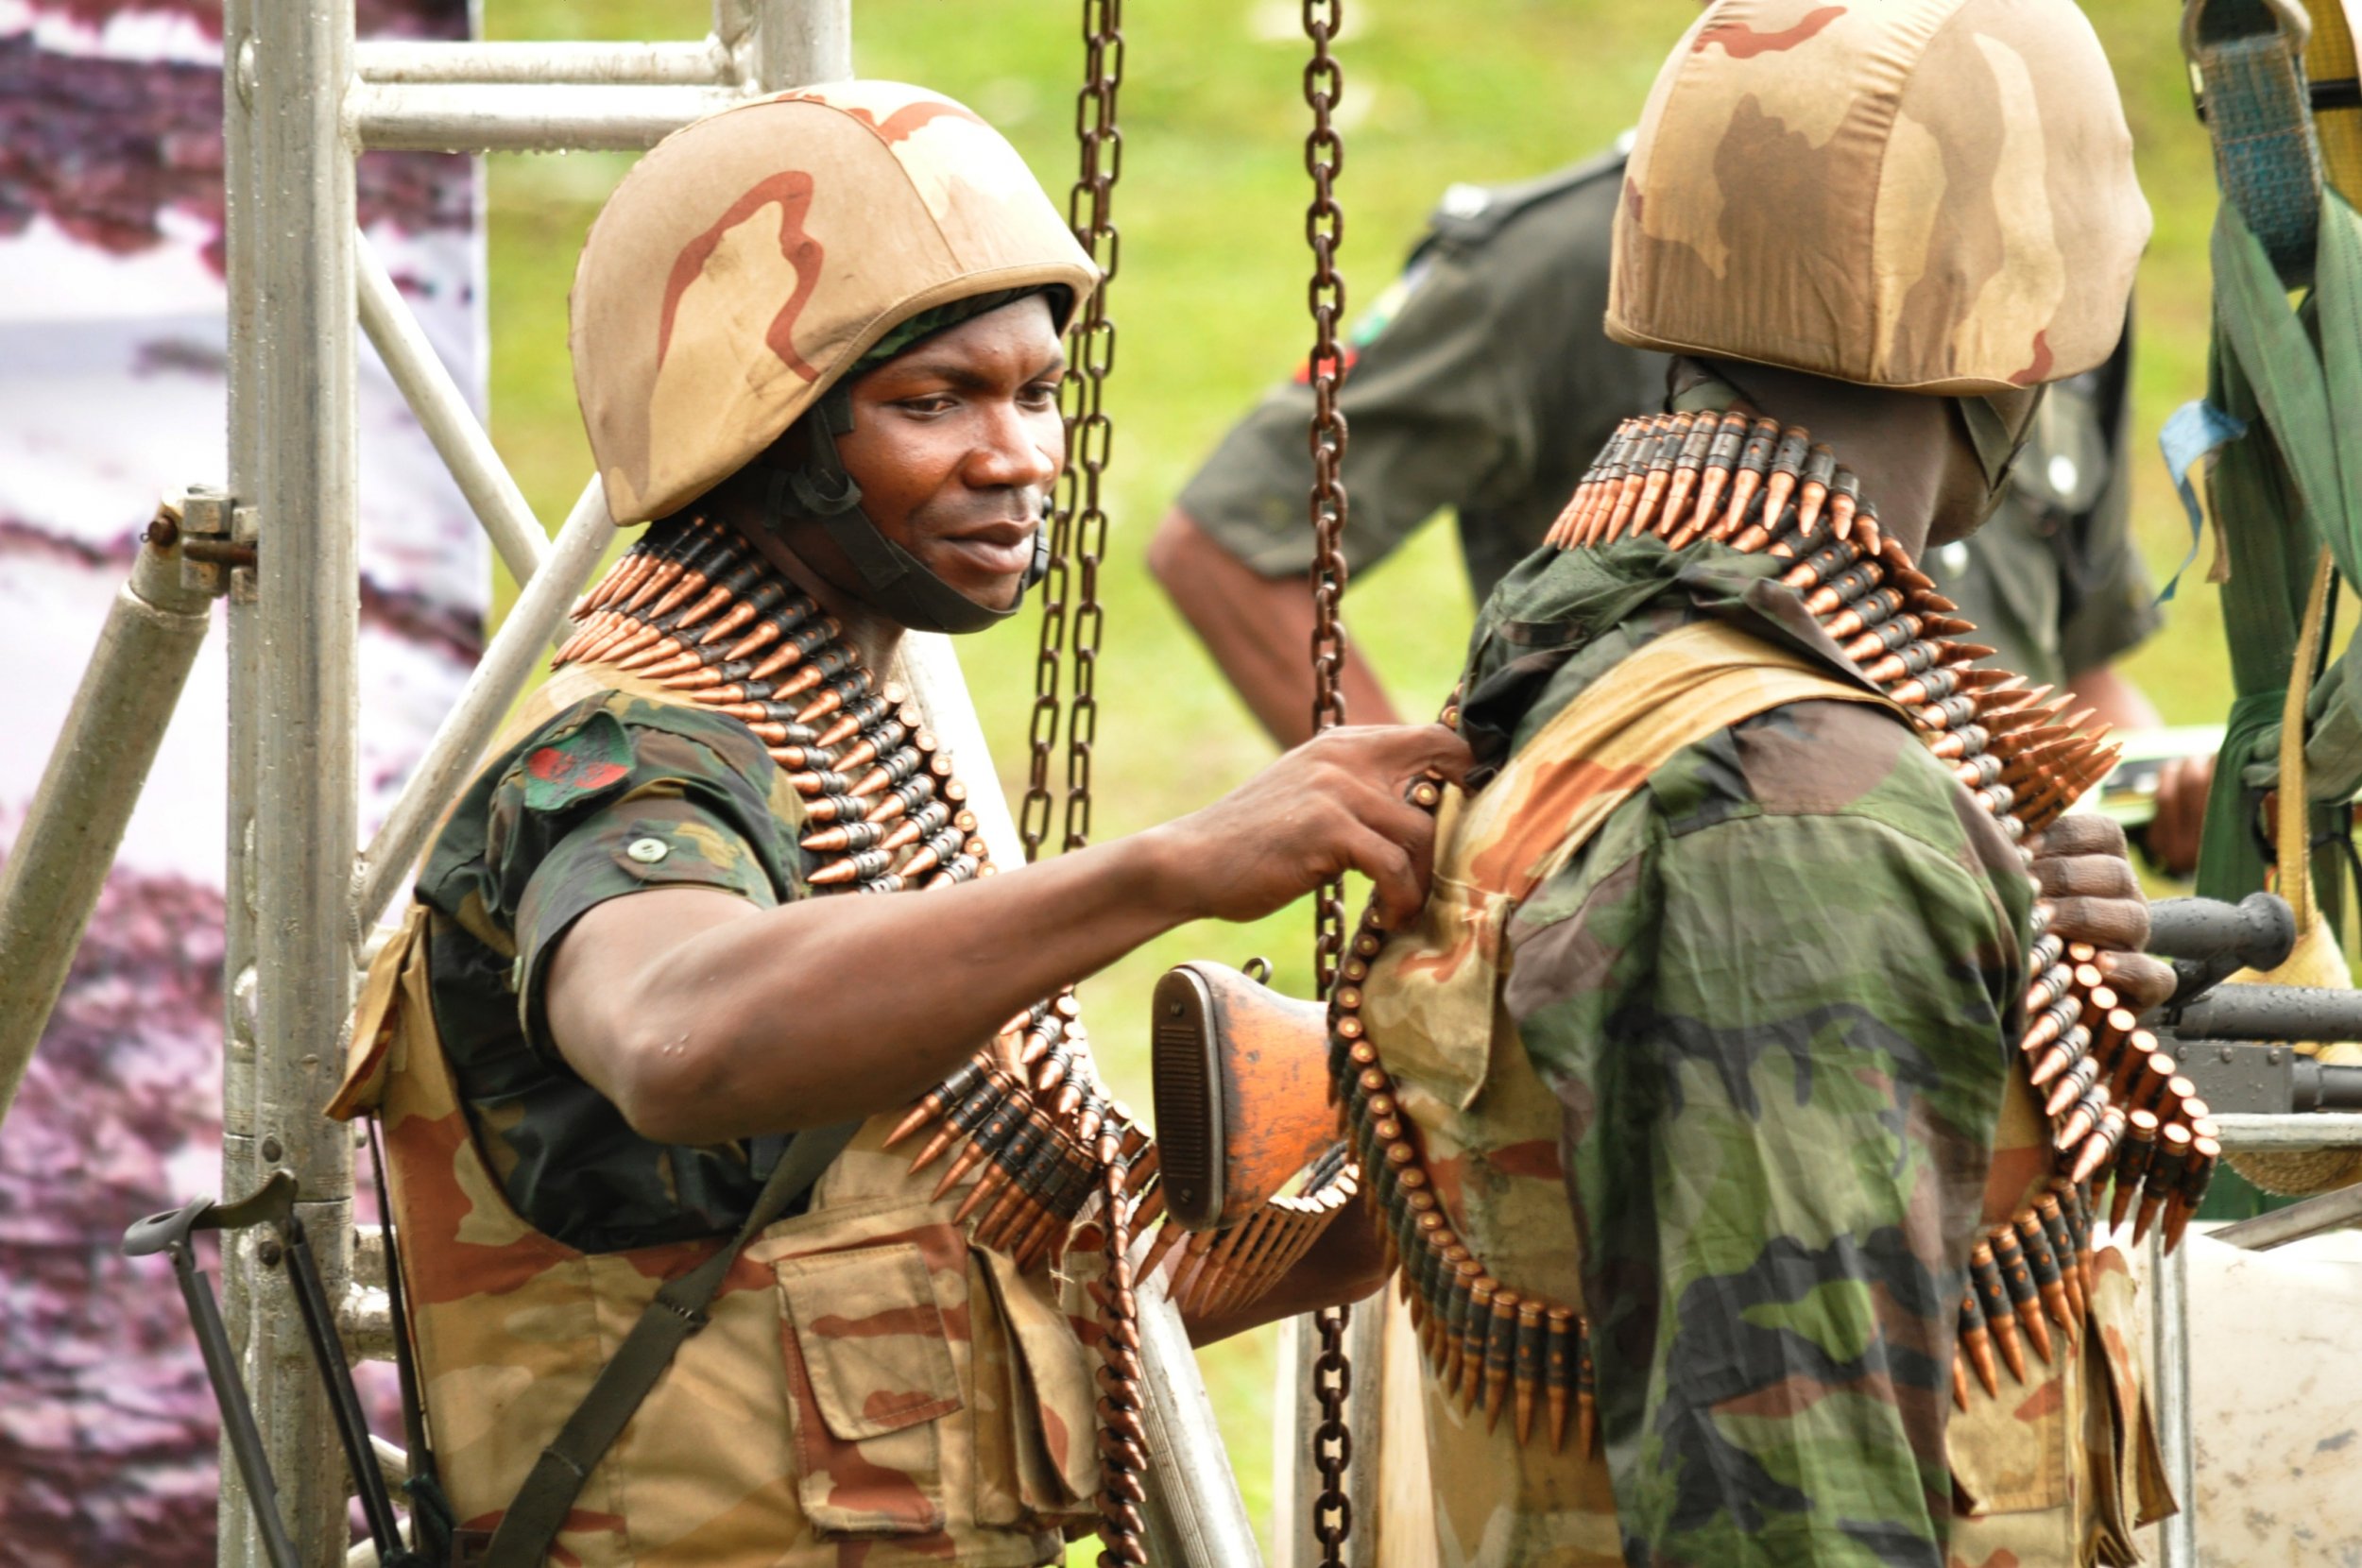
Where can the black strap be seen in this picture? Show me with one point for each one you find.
(534, 1519)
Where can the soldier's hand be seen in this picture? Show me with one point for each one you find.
(2080, 866)
(1334, 803)
(2173, 833)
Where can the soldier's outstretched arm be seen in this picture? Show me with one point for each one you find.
(1256, 627)
(704, 1018)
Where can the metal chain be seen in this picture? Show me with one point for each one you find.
(1091, 351)
(1079, 531)
(1325, 229)
(1076, 518)
(1333, 1440)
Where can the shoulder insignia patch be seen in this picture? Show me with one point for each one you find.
(593, 758)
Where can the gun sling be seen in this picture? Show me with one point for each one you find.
(679, 1310)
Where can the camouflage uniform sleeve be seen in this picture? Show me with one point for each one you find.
(1437, 413)
(616, 796)
(1779, 1042)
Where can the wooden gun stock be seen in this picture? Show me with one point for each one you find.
(1240, 1085)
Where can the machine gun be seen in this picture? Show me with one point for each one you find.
(2236, 1043)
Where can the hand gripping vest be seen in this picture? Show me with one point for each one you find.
(870, 1380)
(2054, 1460)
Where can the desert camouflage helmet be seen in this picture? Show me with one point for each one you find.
(745, 266)
(1930, 194)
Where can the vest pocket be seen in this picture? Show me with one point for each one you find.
(2010, 1454)
(2129, 1483)
(1037, 1459)
(870, 1373)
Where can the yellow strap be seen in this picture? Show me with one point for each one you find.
(1588, 759)
(2295, 849)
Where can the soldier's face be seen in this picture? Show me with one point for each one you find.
(956, 444)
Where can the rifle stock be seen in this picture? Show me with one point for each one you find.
(1240, 1086)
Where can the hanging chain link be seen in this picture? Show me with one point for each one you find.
(1093, 349)
(1332, 1441)
(1323, 231)
(1077, 523)
(1078, 533)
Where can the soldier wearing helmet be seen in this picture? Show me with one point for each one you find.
(1478, 381)
(1706, 1037)
(816, 346)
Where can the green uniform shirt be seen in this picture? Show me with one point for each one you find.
(1775, 993)
(1481, 382)
(614, 795)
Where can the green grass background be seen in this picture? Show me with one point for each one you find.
(1210, 308)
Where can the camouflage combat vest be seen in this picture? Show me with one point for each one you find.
(2047, 1472)
(869, 1382)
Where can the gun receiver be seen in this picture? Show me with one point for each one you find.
(1239, 1079)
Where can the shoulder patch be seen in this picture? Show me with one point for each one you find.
(579, 765)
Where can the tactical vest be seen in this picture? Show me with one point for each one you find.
(2054, 1470)
(869, 1382)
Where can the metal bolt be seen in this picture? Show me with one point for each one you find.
(272, 1152)
(267, 1251)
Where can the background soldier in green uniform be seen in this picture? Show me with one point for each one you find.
(1479, 382)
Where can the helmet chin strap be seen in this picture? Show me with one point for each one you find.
(1995, 444)
(894, 582)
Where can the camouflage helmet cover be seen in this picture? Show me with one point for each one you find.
(747, 262)
(1930, 194)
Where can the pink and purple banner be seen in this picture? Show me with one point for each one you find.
(111, 390)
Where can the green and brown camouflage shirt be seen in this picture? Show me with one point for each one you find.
(614, 795)
(1775, 994)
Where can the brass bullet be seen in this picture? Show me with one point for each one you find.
(937, 1100)
(1978, 1343)
(1686, 470)
(1586, 1401)
(1610, 485)
(1730, 436)
(2018, 1280)
(1873, 607)
(2133, 1153)
(1474, 1332)
(2197, 1173)
(1501, 1353)
(2049, 1279)
(2165, 1169)
(1994, 1297)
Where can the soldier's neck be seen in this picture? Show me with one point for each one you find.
(1901, 445)
(873, 635)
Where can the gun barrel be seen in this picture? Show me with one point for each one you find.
(2326, 1086)
(2275, 1013)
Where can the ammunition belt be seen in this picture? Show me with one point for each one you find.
(1213, 1271)
(694, 608)
(2116, 1109)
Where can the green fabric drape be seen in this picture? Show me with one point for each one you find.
(2291, 484)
